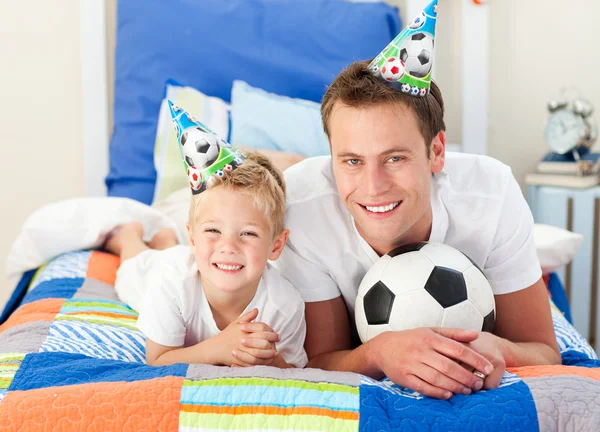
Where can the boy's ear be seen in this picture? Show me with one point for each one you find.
(278, 244)
(189, 230)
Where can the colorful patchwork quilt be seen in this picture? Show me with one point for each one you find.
(72, 358)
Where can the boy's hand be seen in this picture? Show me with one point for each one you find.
(257, 347)
(229, 341)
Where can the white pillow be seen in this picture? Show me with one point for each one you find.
(555, 246)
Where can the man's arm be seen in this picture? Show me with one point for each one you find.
(524, 321)
(424, 360)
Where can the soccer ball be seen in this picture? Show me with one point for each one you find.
(423, 285)
(418, 21)
(392, 69)
(200, 148)
(405, 88)
(415, 91)
(423, 92)
(416, 52)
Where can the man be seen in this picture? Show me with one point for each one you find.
(388, 183)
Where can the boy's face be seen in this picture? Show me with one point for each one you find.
(383, 172)
(232, 241)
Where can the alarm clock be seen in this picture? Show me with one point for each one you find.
(570, 127)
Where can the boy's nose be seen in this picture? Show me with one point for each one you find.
(229, 246)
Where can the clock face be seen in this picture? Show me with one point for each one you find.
(564, 131)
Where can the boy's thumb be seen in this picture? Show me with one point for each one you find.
(248, 316)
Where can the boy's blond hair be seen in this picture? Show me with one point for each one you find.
(258, 178)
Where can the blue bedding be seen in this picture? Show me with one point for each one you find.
(289, 47)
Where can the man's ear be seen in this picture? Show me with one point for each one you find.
(189, 230)
(437, 152)
(278, 244)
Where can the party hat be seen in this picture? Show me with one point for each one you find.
(407, 61)
(204, 153)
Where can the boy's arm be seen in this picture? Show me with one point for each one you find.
(205, 352)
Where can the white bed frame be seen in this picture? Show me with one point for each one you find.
(94, 67)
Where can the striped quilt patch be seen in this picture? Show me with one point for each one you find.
(249, 404)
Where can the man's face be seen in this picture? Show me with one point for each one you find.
(383, 172)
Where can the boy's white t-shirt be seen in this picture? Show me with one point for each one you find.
(477, 205)
(175, 312)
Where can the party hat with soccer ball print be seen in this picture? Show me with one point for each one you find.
(407, 61)
(204, 153)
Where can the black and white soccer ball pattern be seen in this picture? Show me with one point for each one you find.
(423, 285)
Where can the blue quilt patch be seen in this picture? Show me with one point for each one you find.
(61, 369)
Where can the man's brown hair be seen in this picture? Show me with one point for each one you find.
(357, 87)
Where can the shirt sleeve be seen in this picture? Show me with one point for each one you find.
(292, 334)
(311, 280)
(512, 263)
(160, 316)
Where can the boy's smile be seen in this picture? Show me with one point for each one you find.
(232, 241)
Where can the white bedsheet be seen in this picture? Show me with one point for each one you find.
(80, 223)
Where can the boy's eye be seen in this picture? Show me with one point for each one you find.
(211, 230)
(249, 233)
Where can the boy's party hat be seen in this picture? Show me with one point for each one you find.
(407, 61)
(204, 153)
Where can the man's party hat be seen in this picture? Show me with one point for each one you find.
(204, 153)
(407, 61)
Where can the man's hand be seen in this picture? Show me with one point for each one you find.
(490, 346)
(426, 360)
(247, 343)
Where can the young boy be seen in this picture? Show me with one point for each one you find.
(223, 304)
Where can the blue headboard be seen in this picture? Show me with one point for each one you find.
(288, 47)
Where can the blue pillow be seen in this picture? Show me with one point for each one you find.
(288, 47)
(264, 120)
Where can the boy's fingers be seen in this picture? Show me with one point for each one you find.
(248, 316)
(258, 343)
(245, 358)
(268, 336)
(254, 327)
(264, 354)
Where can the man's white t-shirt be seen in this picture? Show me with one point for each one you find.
(477, 207)
(175, 312)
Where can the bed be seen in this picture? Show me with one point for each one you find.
(71, 356)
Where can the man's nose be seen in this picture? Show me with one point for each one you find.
(377, 180)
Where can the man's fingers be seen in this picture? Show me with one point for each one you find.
(437, 379)
(457, 351)
(493, 380)
(454, 371)
(426, 389)
(459, 335)
(248, 316)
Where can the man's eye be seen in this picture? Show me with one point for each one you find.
(395, 159)
(353, 162)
